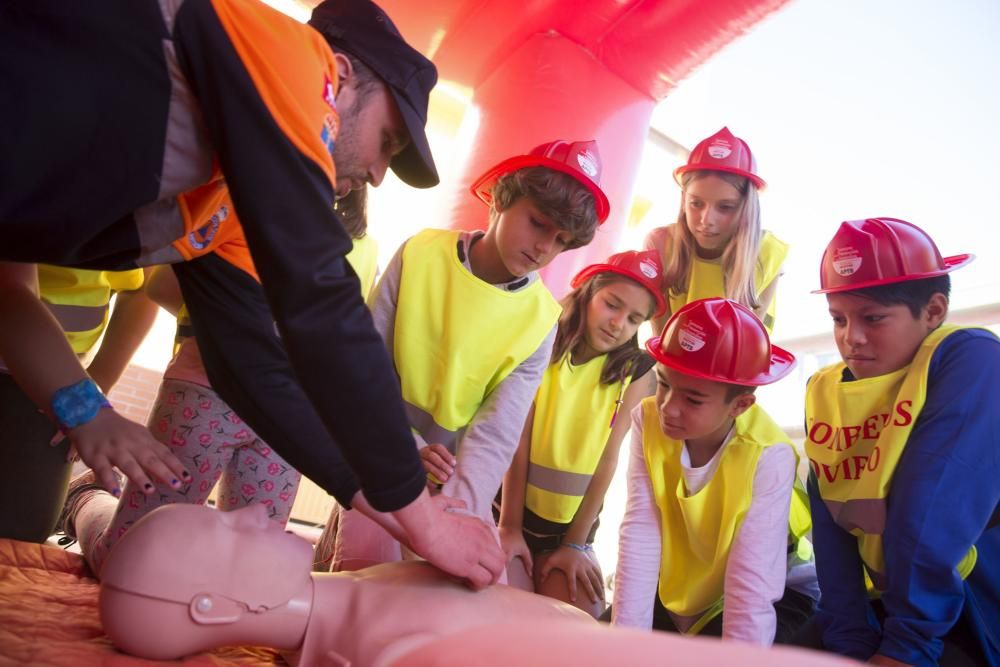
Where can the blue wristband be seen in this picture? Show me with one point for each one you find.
(77, 404)
(585, 548)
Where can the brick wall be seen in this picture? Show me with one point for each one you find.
(135, 392)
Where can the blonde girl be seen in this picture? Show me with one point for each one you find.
(717, 247)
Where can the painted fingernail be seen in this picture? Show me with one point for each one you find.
(186, 475)
(147, 486)
(174, 482)
(116, 492)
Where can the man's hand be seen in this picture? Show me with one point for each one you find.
(112, 440)
(385, 519)
(461, 545)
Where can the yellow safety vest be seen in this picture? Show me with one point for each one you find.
(571, 427)
(457, 337)
(363, 258)
(707, 281)
(79, 299)
(856, 433)
(697, 531)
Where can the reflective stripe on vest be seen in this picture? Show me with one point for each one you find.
(79, 299)
(570, 429)
(697, 531)
(856, 433)
(457, 337)
(707, 281)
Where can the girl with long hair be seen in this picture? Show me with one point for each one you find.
(569, 447)
(717, 247)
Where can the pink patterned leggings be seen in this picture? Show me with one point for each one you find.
(215, 446)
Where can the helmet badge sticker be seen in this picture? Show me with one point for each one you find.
(587, 162)
(719, 149)
(846, 261)
(648, 269)
(691, 337)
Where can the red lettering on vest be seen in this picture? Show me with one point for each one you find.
(874, 459)
(859, 465)
(871, 427)
(850, 434)
(842, 438)
(903, 416)
(820, 436)
(831, 474)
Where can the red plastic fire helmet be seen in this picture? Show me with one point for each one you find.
(718, 339)
(723, 151)
(579, 159)
(879, 251)
(643, 266)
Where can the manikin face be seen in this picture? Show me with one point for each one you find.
(874, 339)
(371, 133)
(711, 210)
(525, 240)
(242, 544)
(614, 314)
(695, 410)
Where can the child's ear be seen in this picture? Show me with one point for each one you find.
(936, 310)
(741, 404)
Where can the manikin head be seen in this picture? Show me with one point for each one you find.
(188, 578)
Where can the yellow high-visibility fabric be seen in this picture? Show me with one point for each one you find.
(856, 434)
(697, 531)
(457, 337)
(363, 258)
(82, 290)
(571, 427)
(707, 281)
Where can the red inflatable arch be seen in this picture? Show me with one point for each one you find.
(571, 69)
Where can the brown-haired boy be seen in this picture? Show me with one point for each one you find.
(470, 326)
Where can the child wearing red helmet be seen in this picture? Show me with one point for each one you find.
(903, 445)
(569, 447)
(717, 246)
(470, 326)
(713, 537)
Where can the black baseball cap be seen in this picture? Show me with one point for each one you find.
(361, 28)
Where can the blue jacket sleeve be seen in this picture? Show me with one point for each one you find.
(944, 492)
(844, 614)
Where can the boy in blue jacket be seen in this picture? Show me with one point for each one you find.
(903, 438)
